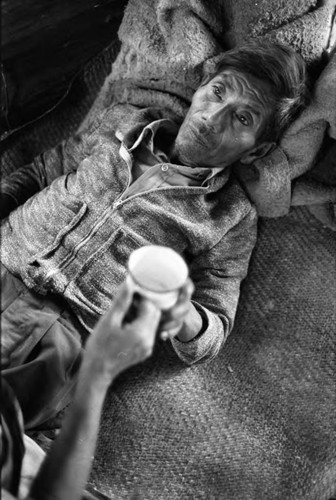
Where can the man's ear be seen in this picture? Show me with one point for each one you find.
(259, 151)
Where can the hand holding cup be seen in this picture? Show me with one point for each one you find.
(117, 344)
(161, 275)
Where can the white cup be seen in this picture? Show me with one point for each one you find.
(158, 273)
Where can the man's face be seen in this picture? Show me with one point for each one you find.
(224, 120)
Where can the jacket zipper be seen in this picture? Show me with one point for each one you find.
(70, 257)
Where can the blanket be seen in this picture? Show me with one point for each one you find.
(269, 181)
(164, 43)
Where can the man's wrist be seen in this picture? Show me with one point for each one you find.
(192, 326)
(94, 375)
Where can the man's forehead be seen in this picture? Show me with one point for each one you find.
(246, 85)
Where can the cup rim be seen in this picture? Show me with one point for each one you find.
(184, 273)
(144, 287)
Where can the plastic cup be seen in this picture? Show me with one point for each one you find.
(158, 273)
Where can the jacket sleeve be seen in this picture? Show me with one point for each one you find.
(217, 276)
(29, 179)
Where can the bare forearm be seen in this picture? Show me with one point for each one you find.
(66, 469)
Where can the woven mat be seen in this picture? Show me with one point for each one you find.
(259, 421)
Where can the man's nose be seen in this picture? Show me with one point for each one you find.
(216, 118)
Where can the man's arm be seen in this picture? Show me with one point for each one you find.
(114, 346)
(217, 276)
(311, 192)
(29, 179)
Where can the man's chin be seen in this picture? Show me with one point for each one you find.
(188, 154)
(187, 158)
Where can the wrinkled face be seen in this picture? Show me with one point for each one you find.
(224, 119)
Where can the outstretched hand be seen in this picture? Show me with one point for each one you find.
(118, 342)
(113, 346)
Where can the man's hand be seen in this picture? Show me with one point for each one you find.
(114, 345)
(117, 343)
(182, 320)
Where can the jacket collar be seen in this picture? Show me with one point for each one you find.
(130, 139)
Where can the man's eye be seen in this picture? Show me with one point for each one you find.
(243, 119)
(216, 90)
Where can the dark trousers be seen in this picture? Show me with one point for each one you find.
(41, 349)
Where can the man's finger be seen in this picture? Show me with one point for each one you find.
(147, 314)
(120, 305)
(170, 333)
(176, 313)
(186, 291)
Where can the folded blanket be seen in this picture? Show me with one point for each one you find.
(270, 179)
(164, 44)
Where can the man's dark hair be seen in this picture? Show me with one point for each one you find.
(280, 66)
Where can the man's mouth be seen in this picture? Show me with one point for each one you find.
(201, 134)
(204, 127)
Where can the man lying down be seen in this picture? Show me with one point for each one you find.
(73, 216)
